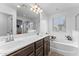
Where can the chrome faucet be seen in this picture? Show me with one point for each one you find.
(9, 38)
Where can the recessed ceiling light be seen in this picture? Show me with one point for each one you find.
(18, 6)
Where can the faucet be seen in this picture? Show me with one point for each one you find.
(9, 38)
(52, 38)
(69, 38)
(37, 33)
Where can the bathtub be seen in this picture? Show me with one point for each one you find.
(64, 46)
(66, 49)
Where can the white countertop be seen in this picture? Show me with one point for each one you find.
(18, 43)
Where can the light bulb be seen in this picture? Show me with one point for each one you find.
(21, 26)
(37, 12)
(18, 6)
(34, 10)
(31, 9)
(35, 6)
(38, 8)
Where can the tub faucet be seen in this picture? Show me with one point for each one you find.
(52, 37)
(68, 38)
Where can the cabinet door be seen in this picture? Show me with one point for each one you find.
(39, 51)
(39, 48)
(39, 43)
(26, 51)
(32, 54)
(46, 45)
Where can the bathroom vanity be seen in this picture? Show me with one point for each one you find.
(17, 31)
(38, 48)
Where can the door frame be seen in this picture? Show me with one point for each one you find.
(76, 22)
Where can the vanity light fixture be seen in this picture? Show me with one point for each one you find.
(22, 5)
(36, 8)
(21, 26)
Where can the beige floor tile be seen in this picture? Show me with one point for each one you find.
(53, 53)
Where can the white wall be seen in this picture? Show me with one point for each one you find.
(70, 23)
(43, 23)
(3, 24)
(7, 10)
(77, 22)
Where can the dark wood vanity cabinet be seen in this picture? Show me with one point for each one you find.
(46, 46)
(38, 48)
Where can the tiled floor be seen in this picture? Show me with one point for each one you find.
(53, 53)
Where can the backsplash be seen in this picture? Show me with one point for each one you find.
(24, 35)
(2, 38)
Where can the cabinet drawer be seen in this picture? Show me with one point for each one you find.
(24, 51)
(39, 51)
(32, 54)
(40, 54)
(39, 43)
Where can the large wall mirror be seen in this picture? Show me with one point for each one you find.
(27, 21)
(59, 24)
(5, 24)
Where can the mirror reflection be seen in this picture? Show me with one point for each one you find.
(27, 20)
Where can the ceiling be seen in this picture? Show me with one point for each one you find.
(27, 13)
(24, 12)
(52, 8)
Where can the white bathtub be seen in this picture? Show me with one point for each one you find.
(62, 45)
(63, 48)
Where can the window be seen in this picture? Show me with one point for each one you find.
(59, 23)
